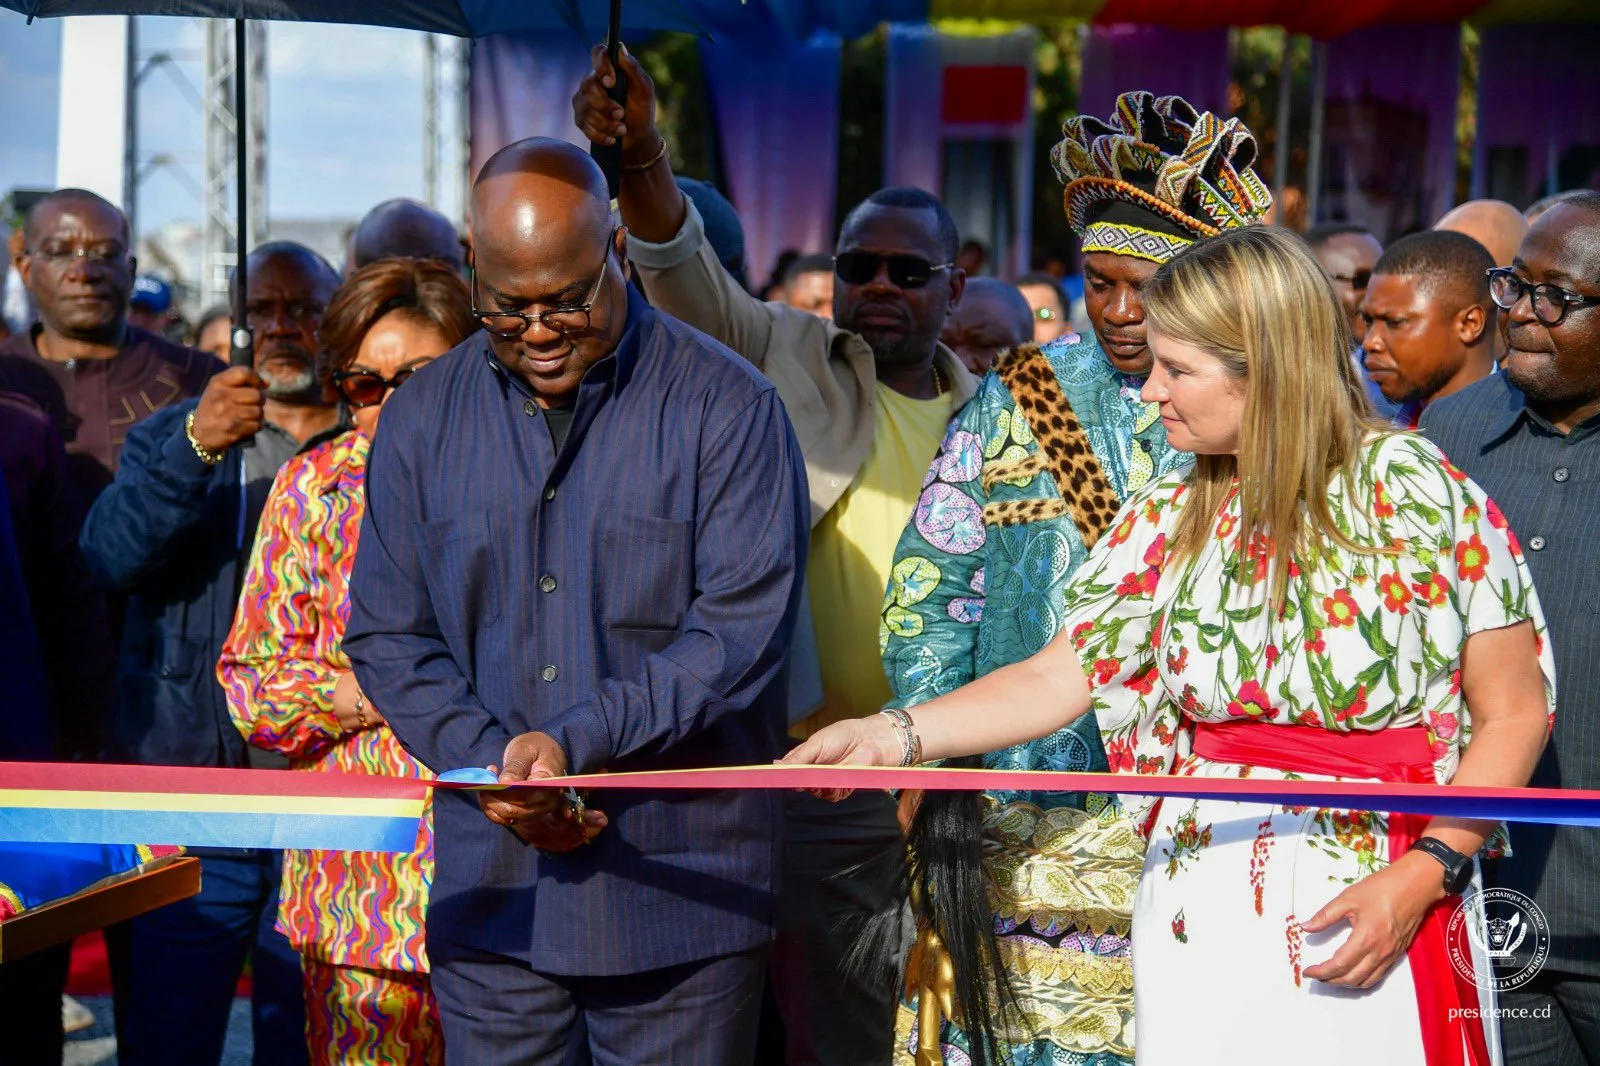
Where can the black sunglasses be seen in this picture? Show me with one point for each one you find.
(363, 388)
(905, 271)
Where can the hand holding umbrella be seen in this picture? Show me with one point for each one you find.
(628, 122)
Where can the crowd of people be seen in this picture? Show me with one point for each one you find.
(566, 497)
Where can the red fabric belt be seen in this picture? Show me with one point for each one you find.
(1447, 1003)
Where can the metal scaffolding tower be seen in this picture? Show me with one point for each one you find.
(222, 140)
(445, 68)
(432, 58)
(461, 162)
(139, 164)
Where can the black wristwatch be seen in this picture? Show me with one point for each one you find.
(1457, 867)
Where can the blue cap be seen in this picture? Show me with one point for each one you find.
(151, 293)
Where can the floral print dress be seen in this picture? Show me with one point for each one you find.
(1365, 642)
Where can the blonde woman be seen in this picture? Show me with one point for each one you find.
(1314, 596)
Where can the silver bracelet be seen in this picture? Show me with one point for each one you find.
(912, 744)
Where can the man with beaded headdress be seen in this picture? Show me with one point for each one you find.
(1030, 474)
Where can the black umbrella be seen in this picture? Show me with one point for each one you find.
(462, 18)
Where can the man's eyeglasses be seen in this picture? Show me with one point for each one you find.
(1357, 281)
(1551, 303)
(905, 271)
(104, 255)
(508, 325)
(363, 388)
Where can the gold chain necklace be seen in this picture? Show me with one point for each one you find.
(938, 381)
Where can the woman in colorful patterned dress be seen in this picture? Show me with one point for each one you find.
(355, 917)
(1316, 596)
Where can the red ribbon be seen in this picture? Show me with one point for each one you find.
(1447, 1003)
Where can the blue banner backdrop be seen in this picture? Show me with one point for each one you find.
(959, 122)
(776, 105)
(1390, 142)
(1192, 64)
(522, 86)
(1538, 128)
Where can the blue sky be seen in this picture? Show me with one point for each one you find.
(344, 116)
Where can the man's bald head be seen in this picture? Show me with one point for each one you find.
(1494, 224)
(992, 317)
(1004, 304)
(536, 193)
(46, 210)
(545, 249)
(293, 255)
(405, 229)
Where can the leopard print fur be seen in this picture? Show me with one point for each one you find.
(1021, 512)
(1086, 493)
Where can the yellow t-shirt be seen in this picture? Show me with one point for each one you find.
(852, 551)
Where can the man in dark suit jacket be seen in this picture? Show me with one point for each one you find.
(583, 548)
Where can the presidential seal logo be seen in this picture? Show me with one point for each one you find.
(1498, 939)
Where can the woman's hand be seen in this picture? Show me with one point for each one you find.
(869, 741)
(346, 694)
(1384, 911)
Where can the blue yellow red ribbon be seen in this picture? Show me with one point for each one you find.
(95, 804)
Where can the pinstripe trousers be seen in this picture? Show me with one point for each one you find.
(497, 1011)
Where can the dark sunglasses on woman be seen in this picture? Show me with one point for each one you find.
(905, 271)
(363, 388)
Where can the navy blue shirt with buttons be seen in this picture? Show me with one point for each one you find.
(631, 593)
(1548, 485)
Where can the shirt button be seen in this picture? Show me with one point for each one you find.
(1536, 543)
(1561, 473)
(530, 408)
(550, 493)
(547, 583)
(548, 673)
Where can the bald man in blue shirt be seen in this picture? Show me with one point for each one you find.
(582, 551)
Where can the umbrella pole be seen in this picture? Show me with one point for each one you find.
(609, 156)
(243, 353)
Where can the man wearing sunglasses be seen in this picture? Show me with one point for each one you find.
(1430, 321)
(870, 394)
(1347, 253)
(173, 533)
(1530, 436)
(582, 551)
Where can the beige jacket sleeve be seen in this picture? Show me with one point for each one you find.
(683, 278)
(823, 375)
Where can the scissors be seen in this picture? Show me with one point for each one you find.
(575, 803)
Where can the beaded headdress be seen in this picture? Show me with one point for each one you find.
(1158, 177)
